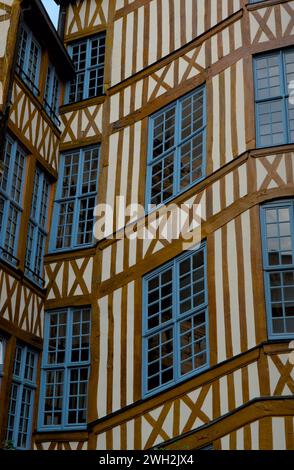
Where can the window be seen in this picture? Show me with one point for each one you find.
(29, 59)
(274, 77)
(51, 96)
(65, 369)
(2, 354)
(176, 156)
(21, 399)
(175, 322)
(278, 253)
(37, 229)
(11, 204)
(88, 57)
(75, 199)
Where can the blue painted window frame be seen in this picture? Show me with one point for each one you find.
(52, 95)
(11, 199)
(282, 97)
(23, 386)
(179, 142)
(176, 320)
(37, 228)
(75, 199)
(2, 356)
(28, 69)
(85, 69)
(65, 349)
(276, 269)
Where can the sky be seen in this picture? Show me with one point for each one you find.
(52, 9)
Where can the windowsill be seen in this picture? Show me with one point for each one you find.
(66, 108)
(278, 338)
(191, 375)
(264, 4)
(62, 429)
(173, 198)
(19, 274)
(37, 102)
(66, 253)
(284, 148)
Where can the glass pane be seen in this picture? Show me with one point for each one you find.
(53, 400)
(162, 180)
(160, 359)
(163, 132)
(160, 298)
(77, 400)
(268, 79)
(271, 128)
(57, 337)
(81, 327)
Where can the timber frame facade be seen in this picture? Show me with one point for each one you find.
(156, 52)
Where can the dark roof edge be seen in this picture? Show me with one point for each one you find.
(65, 62)
(63, 2)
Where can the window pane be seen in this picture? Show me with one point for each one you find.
(11, 199)
(78, 394)
(191, 160)
(37, 230)
(23, 439)
(81, 326)
(90, 171)
(88, 57)
(192, 114)
(271, 130)
(53, 402)
(192, 283)
(65, 223)
(77, 198)
(278, 233)
(22, 397)
(193, 345)
(177, 147)
(12, 418)
(162, 180)
(160, 299)
(282, 301)
(66, 368)
(57, 337)
(164, 132)
(273, 87)
(70, 175)
(160, 359)
(22, 48)
(33, 62)
(268, 84)
(289, 66)
(175, 327)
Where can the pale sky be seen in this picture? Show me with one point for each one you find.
(52, 9)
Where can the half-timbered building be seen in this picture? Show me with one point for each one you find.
(34, 67)
(138, 340)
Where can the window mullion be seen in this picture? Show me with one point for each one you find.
(177, 158)
(175, 317)
(35, 225)
(87, 70)
(27, 51)
(32, 261)
(11, 170)
(3, 228)
(51, 87)
(77, 199)
(66, 368)
(17, 411)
